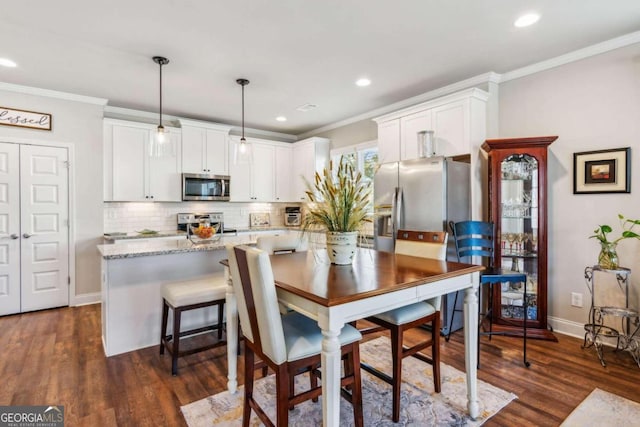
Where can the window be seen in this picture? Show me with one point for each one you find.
(364, 157)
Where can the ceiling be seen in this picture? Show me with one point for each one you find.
(294, 52)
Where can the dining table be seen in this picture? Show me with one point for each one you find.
(373, 283)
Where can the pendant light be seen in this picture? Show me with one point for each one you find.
(161, 143)
(242, 153)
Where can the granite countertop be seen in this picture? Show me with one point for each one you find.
(135, 235)
(167, 247)
(112, 237)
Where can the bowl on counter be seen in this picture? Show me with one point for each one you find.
(204, 233)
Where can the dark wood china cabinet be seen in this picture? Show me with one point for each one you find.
(518, 208)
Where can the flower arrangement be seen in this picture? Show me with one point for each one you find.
(338, 199)
(608, 257)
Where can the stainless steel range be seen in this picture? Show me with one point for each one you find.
(213, 218)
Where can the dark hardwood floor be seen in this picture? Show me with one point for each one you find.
(55, 357)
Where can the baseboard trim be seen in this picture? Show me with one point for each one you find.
(86, 299)
(573, 329)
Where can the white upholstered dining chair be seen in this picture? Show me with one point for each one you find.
(289, 344)
(424, 244)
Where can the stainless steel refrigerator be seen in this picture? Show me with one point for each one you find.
(422, 194)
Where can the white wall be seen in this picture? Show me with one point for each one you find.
(79, 124)
(591, 104)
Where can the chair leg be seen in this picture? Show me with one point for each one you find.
(396, 355)
(313, 382)
(435, 352)
(163, 331)
(282, 396)
(356, 389)
(176, 340)
(249, 361)
(453, 314)
(220, 319)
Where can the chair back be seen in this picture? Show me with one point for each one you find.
(283, 243)
(260, 319)
(474, 238)
(425, 244)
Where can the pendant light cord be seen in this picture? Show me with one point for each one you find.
(243, 114)
(161, 93)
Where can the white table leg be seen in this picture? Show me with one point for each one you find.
(330, 360)
(232, 335)
(471, 346)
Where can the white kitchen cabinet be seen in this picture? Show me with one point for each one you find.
(252, 181)
(283, 173)
(309, 156)
(389, 141)
(458, 121)
(410, 126)
(131, 174)
(205, 148)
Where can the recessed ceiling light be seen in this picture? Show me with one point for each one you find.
(363, 82)
(526, 20)
(281, 118)
(7, 62)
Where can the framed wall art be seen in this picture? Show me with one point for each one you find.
(602, 171)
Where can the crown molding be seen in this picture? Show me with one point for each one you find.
(480, 79)
(151, 117)
(576, 55)
(28, 90)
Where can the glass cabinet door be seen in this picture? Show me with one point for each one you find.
(519, 234)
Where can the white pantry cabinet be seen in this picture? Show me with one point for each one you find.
(458, 121)
(131, 173)
(205, 148)
(310, 155)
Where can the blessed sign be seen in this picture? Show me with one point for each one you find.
(25, 119)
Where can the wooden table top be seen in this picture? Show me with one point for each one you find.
(372, 273)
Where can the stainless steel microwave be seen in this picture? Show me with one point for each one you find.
(197, 186)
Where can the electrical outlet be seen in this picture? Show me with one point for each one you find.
(576, 299)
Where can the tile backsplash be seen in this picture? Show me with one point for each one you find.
(130, 216)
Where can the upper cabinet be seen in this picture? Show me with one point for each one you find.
(252, 180)
(283, 173)
(205, 148)
(131, 173)
(310, 155)
(457, 121)
(389, 141)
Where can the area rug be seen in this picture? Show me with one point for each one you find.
(420, 405)
(602, 408)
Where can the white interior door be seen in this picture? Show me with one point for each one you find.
(44, 217)
(9, 229)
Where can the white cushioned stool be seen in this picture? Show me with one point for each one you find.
(188, 295)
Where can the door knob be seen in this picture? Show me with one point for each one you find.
(14, 236)
(26, 235)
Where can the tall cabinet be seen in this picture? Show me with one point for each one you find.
(518, 208)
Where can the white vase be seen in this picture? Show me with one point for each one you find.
(341, 246)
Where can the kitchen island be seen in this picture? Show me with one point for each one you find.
(132, 277)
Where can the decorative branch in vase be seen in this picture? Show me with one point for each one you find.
(608, 257)
(338, 201)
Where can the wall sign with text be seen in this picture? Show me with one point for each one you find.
(25, 119)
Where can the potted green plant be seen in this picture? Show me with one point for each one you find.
(608, 257)
(338, 200)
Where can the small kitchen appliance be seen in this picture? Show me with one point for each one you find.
(292, 216)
